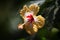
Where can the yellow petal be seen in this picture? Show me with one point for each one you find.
(31, 29)
(41, 21)
(34, 8)
(24, 10)
(35, 28)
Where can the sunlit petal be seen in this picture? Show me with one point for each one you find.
(34, 8)
(24, 10)
(41, 21)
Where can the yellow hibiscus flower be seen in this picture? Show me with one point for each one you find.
(31, 22)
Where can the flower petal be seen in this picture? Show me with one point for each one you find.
(31, 29)
(35, 28)
(24, 10)
(34, 8)
(41, 21)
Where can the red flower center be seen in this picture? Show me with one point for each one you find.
(30, 18)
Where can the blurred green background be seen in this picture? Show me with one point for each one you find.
(10, 17)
